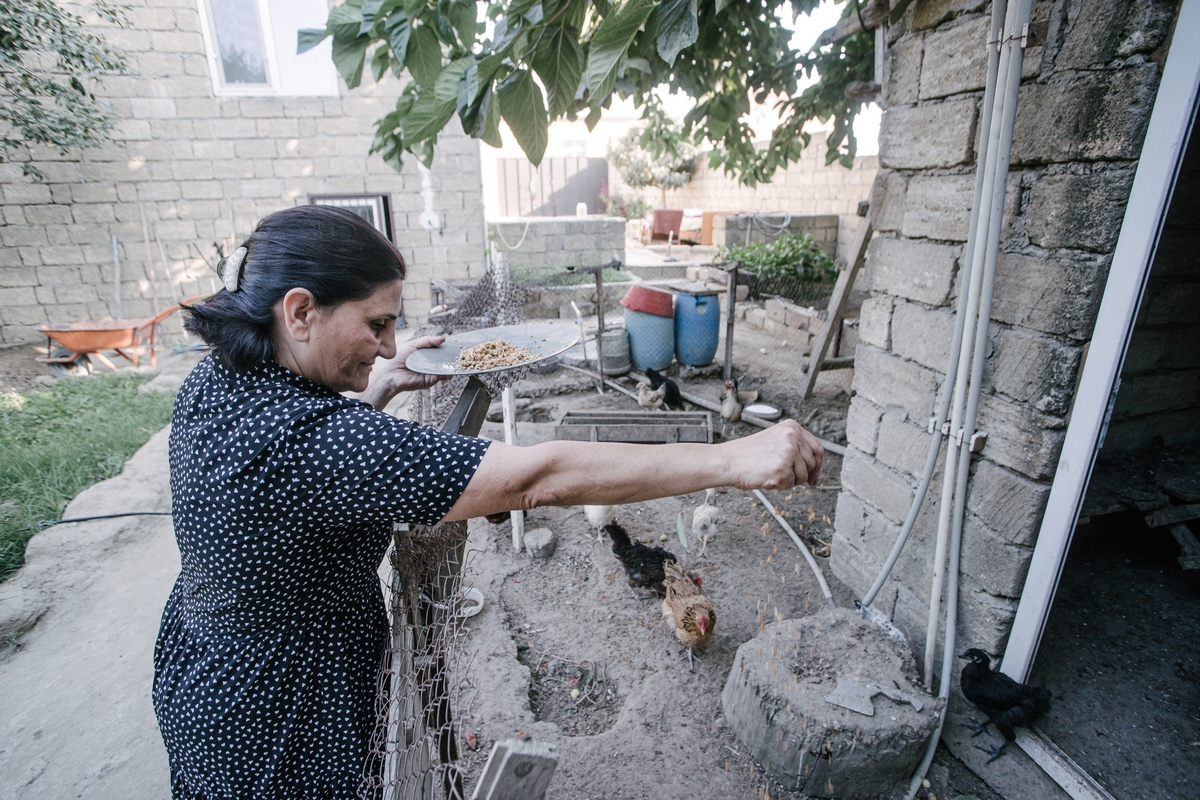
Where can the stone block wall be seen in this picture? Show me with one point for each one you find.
(201, 167)
(552, 244)
(1160, 380)
(1087, 91)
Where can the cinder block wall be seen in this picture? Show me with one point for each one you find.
(1085, 101)
(200, 166)
(1160, 380)
(551, 244)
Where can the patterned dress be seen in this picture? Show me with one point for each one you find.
(284, 498)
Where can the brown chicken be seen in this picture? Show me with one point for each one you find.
(687, 610)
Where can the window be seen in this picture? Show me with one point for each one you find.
(251, 46)
(374, 208)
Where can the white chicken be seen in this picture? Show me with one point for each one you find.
(598, 517)
(704, 519)
(650, 399)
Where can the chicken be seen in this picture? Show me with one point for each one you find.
(687, 610)
(672, 398)
(648, 398)
(643, 564)
(1007, 703)
(704, 519)
(731, 406)
(599, 516)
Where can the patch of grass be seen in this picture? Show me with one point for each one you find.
(56, 442)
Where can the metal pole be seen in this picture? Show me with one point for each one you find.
(508, 400)
(599, 330)
(730, 302)
(117, 273)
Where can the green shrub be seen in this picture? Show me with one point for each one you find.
(792, 266)
(55, 443)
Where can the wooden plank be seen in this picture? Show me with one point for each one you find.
(846, 362)
(1173, 515)
(517, 770)
(837, 305)
(1188, 544)
(1058, 765)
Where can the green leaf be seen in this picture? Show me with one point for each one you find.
(308, 38)
(464, 18)
(348, 57)
(609, 43)
(435, 105)
(424, 151)
(677, 28)
(559, 63)
(398, 30)
(370, 8)
(442, 27)
(424, 58)
(343, 22)
(522, 107)
(535, 15)
(468, 91)
(491, 125)
(414, 8)
(592, 118)
(380, 60)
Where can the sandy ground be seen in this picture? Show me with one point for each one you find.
(1125, 626)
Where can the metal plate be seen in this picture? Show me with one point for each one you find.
(544, 340)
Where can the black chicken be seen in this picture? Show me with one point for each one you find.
(673, 399)
(1007, 703)
(643, 564)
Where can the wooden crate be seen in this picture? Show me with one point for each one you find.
(644, 427)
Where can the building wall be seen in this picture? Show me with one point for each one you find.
(200, 166)
(1085, 101)
(1160, 380)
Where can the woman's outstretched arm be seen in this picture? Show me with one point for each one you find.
(565, 473)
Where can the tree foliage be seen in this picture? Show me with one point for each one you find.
(49, 62)
(544, 60)
(638, 164)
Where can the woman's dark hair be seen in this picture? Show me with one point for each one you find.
(333, 253)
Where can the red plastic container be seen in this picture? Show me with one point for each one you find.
(649, 301)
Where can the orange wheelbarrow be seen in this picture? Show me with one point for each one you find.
(78, 340)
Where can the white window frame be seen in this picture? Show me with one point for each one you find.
(382, 201)
(266, 32)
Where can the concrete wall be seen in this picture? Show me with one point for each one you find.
(1160, 380)
(199, 165)
(1084, 104)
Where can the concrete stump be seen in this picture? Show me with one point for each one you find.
(539, 542)
(776, 702)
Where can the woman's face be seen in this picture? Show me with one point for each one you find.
(337, 347)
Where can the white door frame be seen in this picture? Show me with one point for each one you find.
(1153, 184)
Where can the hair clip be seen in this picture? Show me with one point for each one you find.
(231, 269)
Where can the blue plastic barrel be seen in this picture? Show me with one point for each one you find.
(651, 339)
(697, 328)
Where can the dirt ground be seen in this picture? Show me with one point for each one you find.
(1125, 626)
(18, 370)
(642, 725)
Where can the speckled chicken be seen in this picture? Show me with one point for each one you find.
(687, 610)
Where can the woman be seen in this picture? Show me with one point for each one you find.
(285, 492)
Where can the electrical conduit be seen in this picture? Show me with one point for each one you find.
(1000, 149)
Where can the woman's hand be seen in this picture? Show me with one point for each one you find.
(390, 376)
(780, 457)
